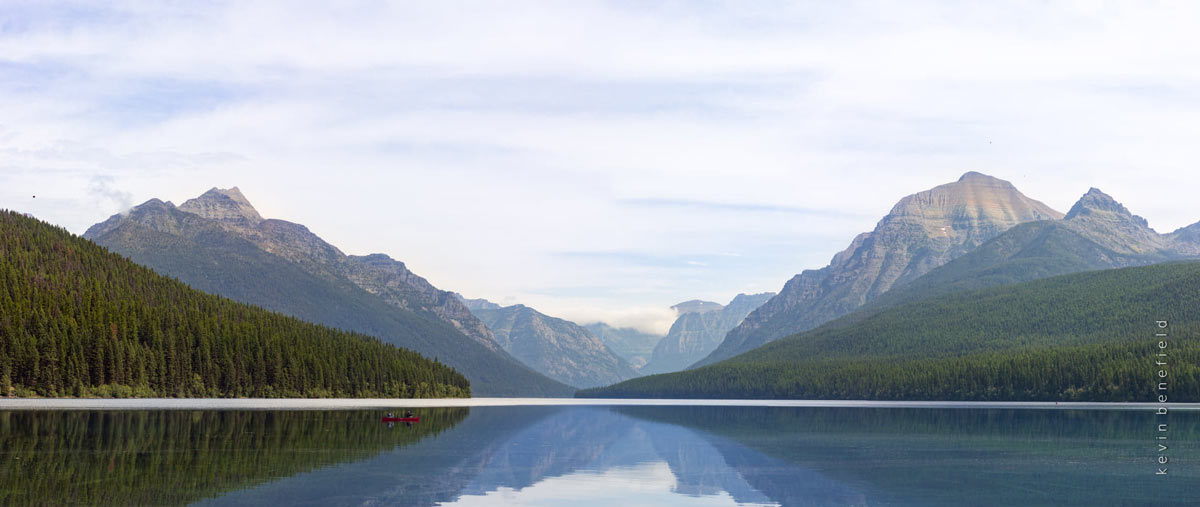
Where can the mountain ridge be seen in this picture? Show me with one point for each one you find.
(922, 231)
(1098, 233)
(557, 348)
(285, 267)
(698, 330)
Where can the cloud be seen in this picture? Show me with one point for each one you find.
(102, 189)
(651, 320)
(587, 155)
(736, 207)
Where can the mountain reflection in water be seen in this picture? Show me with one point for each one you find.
(548, 455)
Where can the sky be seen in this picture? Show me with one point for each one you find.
(594, 160)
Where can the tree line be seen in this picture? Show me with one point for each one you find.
(1080, 337)
(77, 320)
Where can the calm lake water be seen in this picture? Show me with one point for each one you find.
(599, 455)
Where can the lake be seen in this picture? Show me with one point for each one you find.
(170, 452)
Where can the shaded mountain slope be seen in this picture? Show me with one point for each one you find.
(283, 267)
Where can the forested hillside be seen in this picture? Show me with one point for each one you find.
(284, 267)
(77, 320)
(1082, 337)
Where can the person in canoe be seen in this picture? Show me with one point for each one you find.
(408, 417)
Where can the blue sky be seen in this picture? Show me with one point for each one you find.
(594, 160)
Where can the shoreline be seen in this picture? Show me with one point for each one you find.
(384, 403)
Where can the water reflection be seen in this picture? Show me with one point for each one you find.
(178, 457)
(597, 456)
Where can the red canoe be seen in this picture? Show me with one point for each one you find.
(401, 419)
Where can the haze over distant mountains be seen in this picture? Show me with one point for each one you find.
(583, 355)
(220, 244)
(698, 330)
(633, 345)
(559, 349)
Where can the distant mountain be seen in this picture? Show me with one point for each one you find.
(219, 243)
(1076, 337)
(477, 304)
(632, 345)
(1186, 240)
(697, 306)
(557, 348)
(698, 330)
(1098, 233)
(78, 320)
(922, 231)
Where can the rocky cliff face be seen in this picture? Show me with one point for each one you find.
(559, 349)
(224, 205)
(698, 330)
(922, 231)
(1098, 233)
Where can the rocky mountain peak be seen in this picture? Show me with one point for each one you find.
(980, 178)
(227, 205)
(153, 213)
(1102, 219)
(923, 231)
(1097, 202)
(975, 196)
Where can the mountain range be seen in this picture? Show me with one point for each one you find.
(971, 234)
(698, 330)
(1097, 233)
(634, 346)
(220, 244)
(1058, 299)
(559, 349)
(921, 232)
(1076, 337)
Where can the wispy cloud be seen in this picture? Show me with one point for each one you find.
(595, 144)
(737, 207)
(103, 189)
